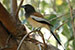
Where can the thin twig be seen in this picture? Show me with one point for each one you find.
(70, 8)
(23, 39)
(58, 28)
(7, 42)
(54, 5)
(38, 5)
(27, 35)
(61, 25)
(42, 38)
(18, 9)
(58, 17)
(49, 37)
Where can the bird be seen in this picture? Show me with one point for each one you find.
(36, 19)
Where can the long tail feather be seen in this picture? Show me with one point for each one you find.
(55, 37)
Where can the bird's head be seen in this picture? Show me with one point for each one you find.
(28, 8)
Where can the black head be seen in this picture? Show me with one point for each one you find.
(28, 8)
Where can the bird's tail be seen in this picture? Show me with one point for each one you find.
(48, 27)
(55, 37)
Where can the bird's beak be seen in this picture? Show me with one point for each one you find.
(22, 6)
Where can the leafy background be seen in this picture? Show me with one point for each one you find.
(58, 13)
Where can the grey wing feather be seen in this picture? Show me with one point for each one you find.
(41, 20)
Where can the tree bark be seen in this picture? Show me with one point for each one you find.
(9, 22)
(3, 39)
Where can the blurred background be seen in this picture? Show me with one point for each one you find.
(55, 11)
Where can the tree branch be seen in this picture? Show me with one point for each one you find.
(13, 7)
(17, 11)
(3, 40)
(9, 22)
(72, 22)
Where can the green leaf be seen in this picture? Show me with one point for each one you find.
(74, 44)
(66, 31)
(51, 17)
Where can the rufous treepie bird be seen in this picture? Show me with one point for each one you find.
(36, 19)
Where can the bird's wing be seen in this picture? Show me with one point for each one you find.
(38, 14)
(40, 20)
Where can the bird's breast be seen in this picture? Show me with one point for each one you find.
(34, 23)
